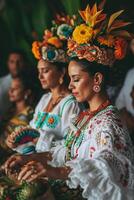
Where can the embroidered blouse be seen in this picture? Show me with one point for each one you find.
(52, 125)
(101, 157)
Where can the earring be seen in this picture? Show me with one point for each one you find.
(96, 88)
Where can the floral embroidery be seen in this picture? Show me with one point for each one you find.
(52, 121)
(46, 119)
(92, 150)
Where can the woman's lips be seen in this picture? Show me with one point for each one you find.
(43, 82)
(75, 94)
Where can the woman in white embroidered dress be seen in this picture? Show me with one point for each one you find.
(97, 154)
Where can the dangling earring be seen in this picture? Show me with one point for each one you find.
(61, 81)
(96, 88)
(25, 97)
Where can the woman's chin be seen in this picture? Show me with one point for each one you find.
(45, 87)
(79, 99)
(11, 100)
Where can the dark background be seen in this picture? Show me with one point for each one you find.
(22, 21)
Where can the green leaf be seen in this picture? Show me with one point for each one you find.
(71, 6)
(40, 17)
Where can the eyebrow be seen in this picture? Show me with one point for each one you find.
(75, 75)
(43, 68)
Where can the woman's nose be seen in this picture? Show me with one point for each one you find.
(40, 76)
(10, 91)
(70, 86)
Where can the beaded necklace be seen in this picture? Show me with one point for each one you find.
(76, 138)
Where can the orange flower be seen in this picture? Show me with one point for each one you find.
(51, 120)
(92, 16)
(55, 41)
(36, 49)
(71, 45)
(120, 48)
(108, 41)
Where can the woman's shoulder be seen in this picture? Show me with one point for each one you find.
(44, 99)
(70, 105)
(68, 101)
(45, 96)
(108, 119)
(69, 97)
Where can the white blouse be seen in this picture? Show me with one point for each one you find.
(52, 125)
(101, 157)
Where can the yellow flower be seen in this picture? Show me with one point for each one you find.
(55, 41)
(82, 34)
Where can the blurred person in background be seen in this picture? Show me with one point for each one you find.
(121, 79)
(21, 96)
(15, 63)
(124, 101)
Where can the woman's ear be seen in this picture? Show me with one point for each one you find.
(98, 78)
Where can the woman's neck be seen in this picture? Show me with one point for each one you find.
(58, 91)
(20, 106)
(96, 101)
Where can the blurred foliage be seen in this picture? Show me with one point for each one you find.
(22, 21)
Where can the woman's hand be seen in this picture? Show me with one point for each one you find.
(36, 170)
(32, 171)
(10, 140)
(13, 161)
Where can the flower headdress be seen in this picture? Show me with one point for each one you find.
(98, 38)
(54, 45)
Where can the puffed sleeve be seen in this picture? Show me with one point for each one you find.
(58, 154)
(104, 169)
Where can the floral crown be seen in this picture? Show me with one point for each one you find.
(98, 38)
(54, 45)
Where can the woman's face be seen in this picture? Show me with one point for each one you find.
(16, 91)
(81, 83)
(49, 76)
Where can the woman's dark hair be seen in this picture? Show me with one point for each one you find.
(93, 67)
(60, 66)
(29, 82)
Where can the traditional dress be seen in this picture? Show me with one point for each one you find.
(52, 125)
(9, 124)
(100, 153)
